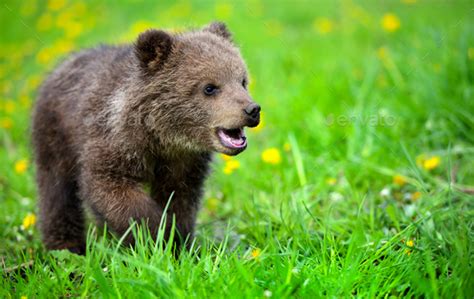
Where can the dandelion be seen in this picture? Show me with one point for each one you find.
(6, 123)
(45, 22)
(21, 166)
(399, 180)
(9, 106)
(256, 253)
(28, 221)
(331, 181)
(230, 166)
(431, 163)
(428, 162)
(62, 46)
(323, 25)
(390, 22)
(44, 56)
(411, 245)
(55, 5)
(73, 29)
(415, 195)
(226, 157)
(271, 156)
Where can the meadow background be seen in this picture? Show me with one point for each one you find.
(358, 183)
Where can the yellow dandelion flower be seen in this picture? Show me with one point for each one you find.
(45, 22)
(226, 157)
(260, 125)
(6, 123)
(415, 195)
(323, 25)
(271, 156)
(223, 10)
(28, 221)
(55, 5)
(287, 147)
(21, 166)
(230, 166)
(63, 18)
(9, 106)
(331, 181)
(410, 244)
(73, 29)
(44, 56)
(24, 297)
(399, 180)
(431, 163)
(390, 22)
(62, 46)
(256, 253)
(470, 53)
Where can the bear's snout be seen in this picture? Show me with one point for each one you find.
(253, 114)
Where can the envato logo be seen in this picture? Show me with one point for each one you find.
(375, 120)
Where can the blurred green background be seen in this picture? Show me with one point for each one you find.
(367, 131)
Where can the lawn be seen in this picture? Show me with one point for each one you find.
(358, 183)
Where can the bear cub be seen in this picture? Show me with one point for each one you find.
(111, 120)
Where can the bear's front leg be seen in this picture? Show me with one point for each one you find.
(183, 206)
(118, 200)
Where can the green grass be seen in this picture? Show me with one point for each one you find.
(348, 111)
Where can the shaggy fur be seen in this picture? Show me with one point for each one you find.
(112, 119)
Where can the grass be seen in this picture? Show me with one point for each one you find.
(366, 192)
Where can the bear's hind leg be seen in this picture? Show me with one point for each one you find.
(61, 212)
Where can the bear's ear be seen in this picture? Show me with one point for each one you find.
(220, 29)
(153, 47)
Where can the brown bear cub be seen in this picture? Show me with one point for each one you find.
(110, 120)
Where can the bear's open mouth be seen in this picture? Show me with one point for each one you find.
(232, 138)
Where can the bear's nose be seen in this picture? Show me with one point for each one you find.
(252, 110)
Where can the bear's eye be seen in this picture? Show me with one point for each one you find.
(210, 89)
(244, 83)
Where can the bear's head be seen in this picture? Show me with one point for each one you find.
(195, 89)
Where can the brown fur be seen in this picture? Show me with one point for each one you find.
(111, 119)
